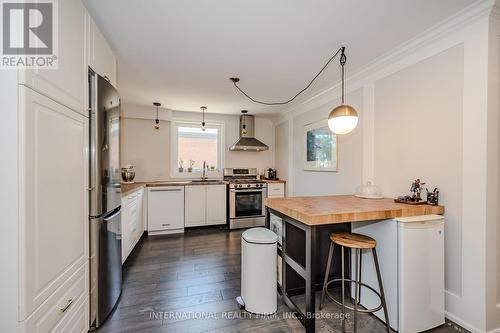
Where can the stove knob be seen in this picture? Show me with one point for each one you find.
(239, 185)
(249, 185)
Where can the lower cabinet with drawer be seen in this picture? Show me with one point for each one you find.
(165, 210)
(68, 303)
(132, 221)
(276, 190)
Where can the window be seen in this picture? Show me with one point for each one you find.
(191, 146)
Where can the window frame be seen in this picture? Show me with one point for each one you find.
(174, 145)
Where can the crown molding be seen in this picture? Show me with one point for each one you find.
(470, 14)
(495, 11)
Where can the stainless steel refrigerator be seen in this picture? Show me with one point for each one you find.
(105, 199)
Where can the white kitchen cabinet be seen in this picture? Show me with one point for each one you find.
(99, 54)
(276, 190)
(165, 210)
(68, 83)
(196, 205)
(53, 229)
(132, 221)
(205, 205)
(216, 204)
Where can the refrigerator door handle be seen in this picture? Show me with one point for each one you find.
(112, 216)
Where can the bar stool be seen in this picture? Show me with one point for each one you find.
(357, 242)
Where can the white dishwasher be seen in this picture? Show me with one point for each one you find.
(165, 210)
(411, 258)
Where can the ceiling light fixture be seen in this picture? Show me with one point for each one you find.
(157, 121)
(342, 119)
(203, 108)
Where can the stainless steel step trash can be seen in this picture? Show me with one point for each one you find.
(258, 271)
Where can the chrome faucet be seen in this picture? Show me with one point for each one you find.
(204, 171)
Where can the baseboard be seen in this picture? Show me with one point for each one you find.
(496, 330)
(462, 323)
(166, 232)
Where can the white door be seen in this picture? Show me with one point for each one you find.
(216, 204)
(101, 57)
(132, 203)
(67, 83)
(165, 208)
(53, 196)
(140, 213)
(125, 221)
(196, 205)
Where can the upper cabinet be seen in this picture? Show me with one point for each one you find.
(100, 55)
(67, 83)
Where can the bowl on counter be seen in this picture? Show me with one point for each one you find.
(127, 174)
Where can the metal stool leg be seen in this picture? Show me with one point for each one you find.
(328, 265)
(359, 279)
(356, 289)
(379, 277)
(343, 286)
(350, 270)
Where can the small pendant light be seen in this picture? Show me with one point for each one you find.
(157, 121)
(203, 108)
(344, 118)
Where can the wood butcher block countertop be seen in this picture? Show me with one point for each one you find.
(345, 208)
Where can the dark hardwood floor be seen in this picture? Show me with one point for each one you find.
(188, 283)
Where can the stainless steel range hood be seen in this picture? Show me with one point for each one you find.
(247, 142)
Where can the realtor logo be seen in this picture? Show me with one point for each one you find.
(29, 34)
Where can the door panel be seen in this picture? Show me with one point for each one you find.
(248, 203)
(195, 205)
(54, 226)
(216, 204)
(66, 84)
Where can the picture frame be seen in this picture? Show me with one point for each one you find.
(320, 147)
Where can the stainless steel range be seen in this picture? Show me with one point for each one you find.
(246, 198)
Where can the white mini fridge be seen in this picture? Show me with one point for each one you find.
(411, 258)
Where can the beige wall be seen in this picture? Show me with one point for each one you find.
(349, 174)
(418, 134)
(149, 150)
(282, 153)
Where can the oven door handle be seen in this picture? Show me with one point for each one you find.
(241, 190)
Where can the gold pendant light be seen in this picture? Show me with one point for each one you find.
(344, 118)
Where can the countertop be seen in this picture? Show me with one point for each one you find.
(129, 188)
(271, 181)
(345, 208)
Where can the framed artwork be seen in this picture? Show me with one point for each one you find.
(321, 147)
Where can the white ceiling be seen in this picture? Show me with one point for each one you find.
(182, 52)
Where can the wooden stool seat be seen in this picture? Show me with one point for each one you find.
(353, 241)
(358, 243)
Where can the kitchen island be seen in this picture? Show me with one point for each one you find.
(307, 224)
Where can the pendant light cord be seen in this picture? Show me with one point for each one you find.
(343, 60)
(235, 81)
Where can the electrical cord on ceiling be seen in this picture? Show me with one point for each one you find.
(235, 80)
